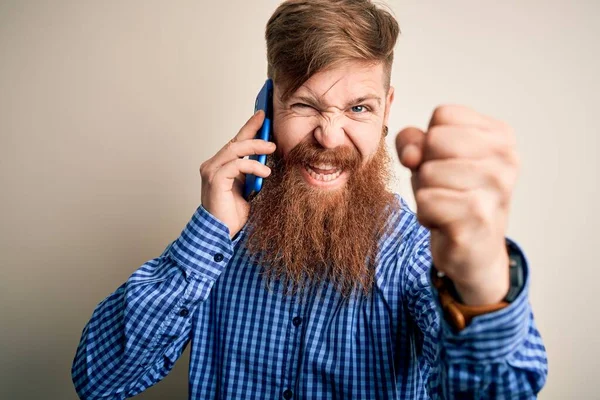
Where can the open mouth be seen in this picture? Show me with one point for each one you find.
(323, 173)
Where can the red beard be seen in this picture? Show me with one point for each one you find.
(301, 235)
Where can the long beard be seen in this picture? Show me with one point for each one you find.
(301, 235)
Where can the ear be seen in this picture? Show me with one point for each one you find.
(388, 104)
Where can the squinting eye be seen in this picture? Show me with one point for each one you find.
(359, 109)
(301, 105)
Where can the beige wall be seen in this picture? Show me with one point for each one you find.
(107, 108)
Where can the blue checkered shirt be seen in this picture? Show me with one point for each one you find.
(248, 342)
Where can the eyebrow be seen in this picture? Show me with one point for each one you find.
(317, 104)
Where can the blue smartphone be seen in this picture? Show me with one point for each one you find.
(264, 101)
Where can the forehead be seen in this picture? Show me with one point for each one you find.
(348, 80)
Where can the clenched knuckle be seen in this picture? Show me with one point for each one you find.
(443, 113)
(479, 208)
(204, 167)
(426, 174)
(514, 159)
(501, 181)
(433, 136)
(437, 132)
(460, 237)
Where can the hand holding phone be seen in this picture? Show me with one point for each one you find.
(223, 174)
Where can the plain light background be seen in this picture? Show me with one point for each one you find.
(108, 108)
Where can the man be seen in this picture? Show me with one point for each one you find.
(326, 285)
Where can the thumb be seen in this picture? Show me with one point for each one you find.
(409, 145)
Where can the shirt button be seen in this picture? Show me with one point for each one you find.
(287, 394)
(184, 312)
(297, 321)
(218, 257)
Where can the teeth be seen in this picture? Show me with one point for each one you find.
(324, 177)
(325, 167)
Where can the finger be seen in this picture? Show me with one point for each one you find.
(440, 207)
(461, 142)
(238, 167)
(460, 174)
(409, 145)
(459, 115)
(242, 149)
(248, 131)
(456, 213)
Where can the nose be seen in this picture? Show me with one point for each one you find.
(330, 134)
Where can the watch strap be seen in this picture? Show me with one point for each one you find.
(457, 314)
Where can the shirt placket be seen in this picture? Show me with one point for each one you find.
(292, 347)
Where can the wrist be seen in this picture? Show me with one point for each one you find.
(482, 298)
(491, 286)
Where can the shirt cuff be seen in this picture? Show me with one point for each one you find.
(204, 246)
(489, 337)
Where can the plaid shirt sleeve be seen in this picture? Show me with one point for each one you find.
(136, 334)
(500, 355)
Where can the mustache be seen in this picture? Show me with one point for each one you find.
(310, 153)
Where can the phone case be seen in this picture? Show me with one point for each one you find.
(264, 101)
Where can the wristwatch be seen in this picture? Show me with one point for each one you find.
(459, 315)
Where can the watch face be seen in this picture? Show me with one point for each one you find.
(516, 271)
